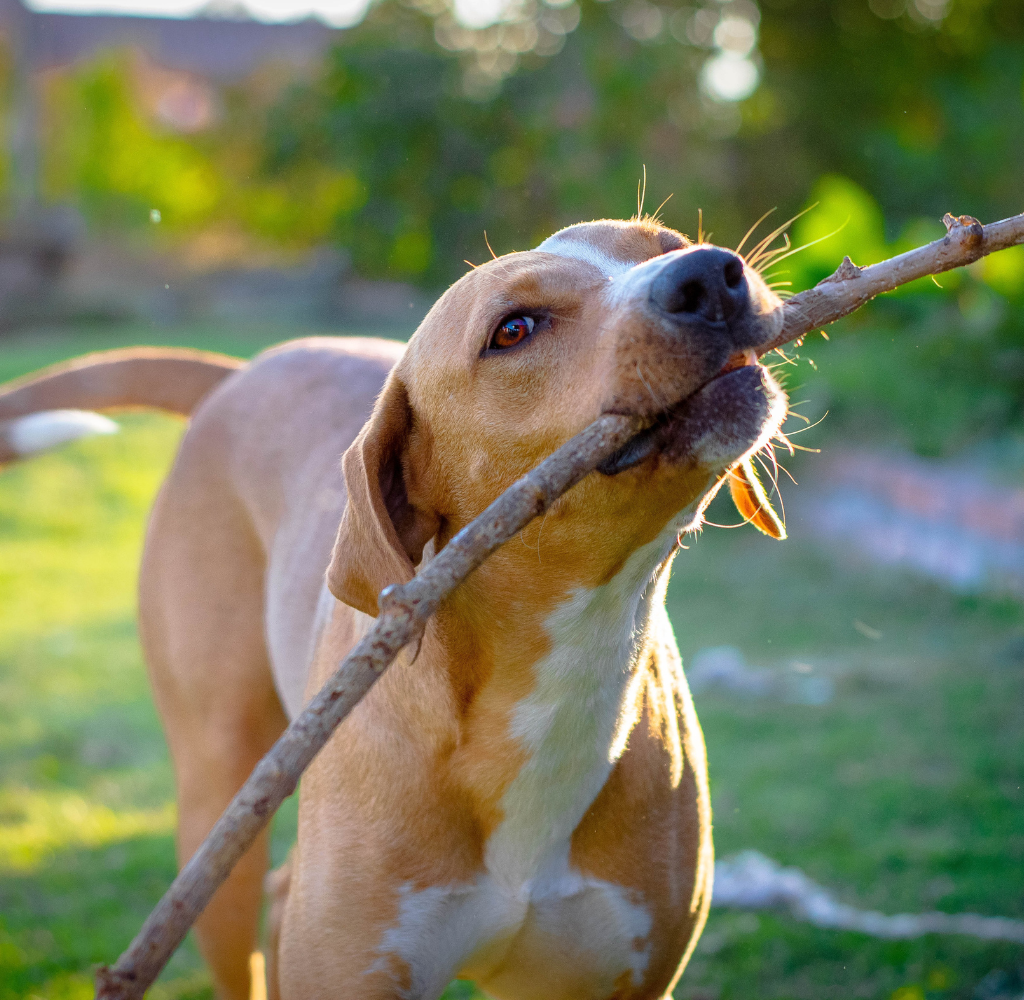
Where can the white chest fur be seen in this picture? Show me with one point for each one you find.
(571, 723)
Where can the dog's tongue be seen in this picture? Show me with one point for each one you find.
(752, 502)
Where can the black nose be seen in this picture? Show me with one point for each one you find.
(704, 283)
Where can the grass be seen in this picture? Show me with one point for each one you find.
(902, 794)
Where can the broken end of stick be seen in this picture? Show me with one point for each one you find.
(394, 600)
(845, 272)
(112, 984)
(966, 231)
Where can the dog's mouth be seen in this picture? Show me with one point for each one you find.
(727, 396)
(721, 424)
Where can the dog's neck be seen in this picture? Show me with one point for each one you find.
(555, 705)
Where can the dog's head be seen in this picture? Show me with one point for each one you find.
(524, 352)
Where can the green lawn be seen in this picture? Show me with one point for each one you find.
(902, 794)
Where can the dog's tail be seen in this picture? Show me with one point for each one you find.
(58, 404)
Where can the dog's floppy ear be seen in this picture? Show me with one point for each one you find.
(381, 536)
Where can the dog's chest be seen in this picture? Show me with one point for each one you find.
(530, 908)
(569, 727)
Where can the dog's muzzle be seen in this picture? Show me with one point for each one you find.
(744, 398)
(702, 295)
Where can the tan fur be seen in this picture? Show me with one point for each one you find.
(411, 818)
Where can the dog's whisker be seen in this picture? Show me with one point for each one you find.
(777, 255)
(657, 211)
(782, 439)
(773, 257)
(755, 252)
(750, 231)
(770, 449)
(757, 255)
(795, 413)
(767, 257)
(775, 483)
(660, 403)
(771, 471)
(810, 426)
(811, 451)
(540, 531)
(702, 237)
(715, 524)
(775, 490)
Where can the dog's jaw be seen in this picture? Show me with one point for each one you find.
(734, 414)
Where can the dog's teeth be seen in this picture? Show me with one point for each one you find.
(750, 356)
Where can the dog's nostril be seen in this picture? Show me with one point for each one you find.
(693, 296)
(733, 273)
(703, 283)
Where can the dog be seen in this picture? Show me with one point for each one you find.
(522, 800)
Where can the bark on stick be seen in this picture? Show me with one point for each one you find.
(404, 610)
(845, 291)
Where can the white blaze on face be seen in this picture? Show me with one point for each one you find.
(565, 244)
(627, 279)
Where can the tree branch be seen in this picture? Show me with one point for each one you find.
(845, 291)
(404, 610)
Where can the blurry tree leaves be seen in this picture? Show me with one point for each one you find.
(885, 112)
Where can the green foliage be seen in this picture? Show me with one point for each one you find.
(875, 115)
(101, 151)
(884, 116)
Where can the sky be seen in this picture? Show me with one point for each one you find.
(339, 13)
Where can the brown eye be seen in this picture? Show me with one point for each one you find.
(511, 332)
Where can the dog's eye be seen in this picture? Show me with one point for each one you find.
(513, 331)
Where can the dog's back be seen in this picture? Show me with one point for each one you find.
(273, 437)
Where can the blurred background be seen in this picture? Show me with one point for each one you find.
(231, 175)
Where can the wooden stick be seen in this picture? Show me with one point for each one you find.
(404, 610)
(845, 291)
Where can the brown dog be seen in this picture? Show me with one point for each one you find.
(524, 803)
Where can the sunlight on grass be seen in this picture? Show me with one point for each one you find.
(71, 525)
(34, 824)
(66, 987)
